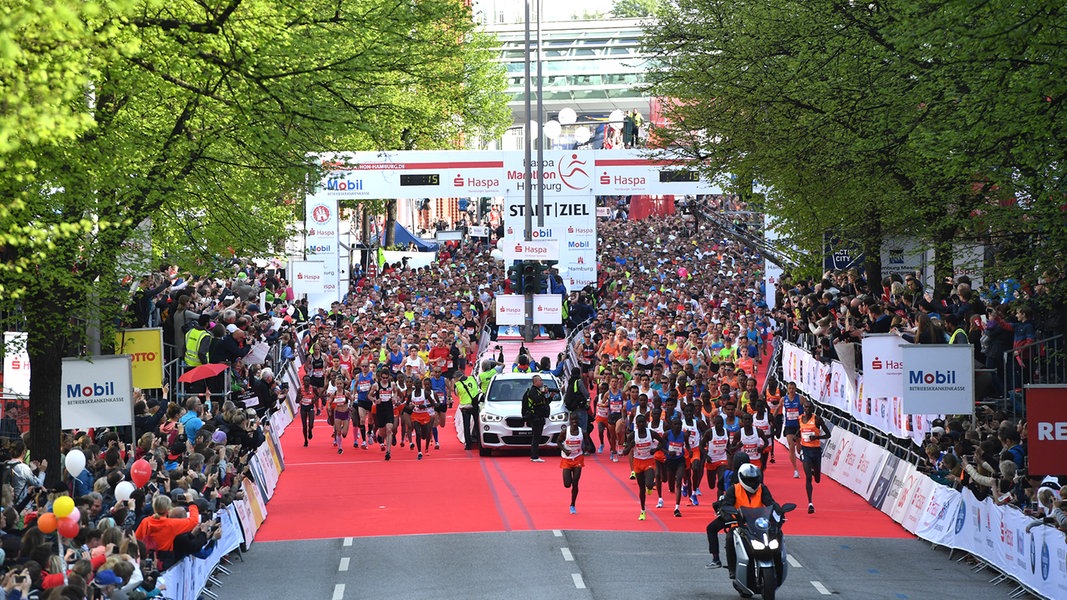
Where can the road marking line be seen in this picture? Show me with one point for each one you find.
(348, 542)
(567, 556)
(822, 588)
(344, 564)
(793, 562)
(557, 533)
(339, 591)
(578, 582)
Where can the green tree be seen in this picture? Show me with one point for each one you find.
(200, 117)
(634, 9)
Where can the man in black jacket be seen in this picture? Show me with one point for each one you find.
(535, 408)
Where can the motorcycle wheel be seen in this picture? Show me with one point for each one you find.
(770, 583)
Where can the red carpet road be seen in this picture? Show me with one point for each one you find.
(325, 495)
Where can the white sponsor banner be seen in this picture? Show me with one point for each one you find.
(321, 243)
(969, 260)
(883, 365)
(308, 276)
(463, 173)
(96, 392)
(578, 268)
(603, 211)
(478, 231)
(532, 250)
(16, 364)
(509, 309)
(903, 256)
(548, 309)
(938, 378)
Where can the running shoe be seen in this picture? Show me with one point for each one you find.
(334, 441)
(685, 489)
(696, 492)
(363, 445)
(388, 455)
(574, 511)
(796, 474)
(318, 411)
(772, 459)
(355, 444)
(659, 503)
(651, 491)
(436, 446)
(412, 446)
(641, 517)
(694, 500)
(305, 443)
(633, 475)
(614, 458)
(537, 460)
(311, 434)
(340, 450)
(811, 508)
(714, 564)
(420, 456)
(677, 512)
(600, 450)
(381, 447)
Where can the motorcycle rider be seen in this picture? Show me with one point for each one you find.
(748, 492)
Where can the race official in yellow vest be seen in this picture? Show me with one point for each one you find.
(468, 391)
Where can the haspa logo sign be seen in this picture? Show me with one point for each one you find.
(321, 214)
(572, 172)
(878, 364)
(572, 230)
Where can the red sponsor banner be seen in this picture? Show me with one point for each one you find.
(1046, 429)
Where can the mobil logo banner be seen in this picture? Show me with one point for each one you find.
(883, 366)
(509, 309)
(548, 309)
(1046, 428)
(516, 233)
(938, 379)
(96, 392)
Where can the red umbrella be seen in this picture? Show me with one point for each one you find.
(202, 372)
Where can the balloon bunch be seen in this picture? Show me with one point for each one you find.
(63, 518)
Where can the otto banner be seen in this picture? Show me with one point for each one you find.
(1046, 429)
(145, 349)
(509, 309)
(96, 392)
(16, 364)
(938, 378)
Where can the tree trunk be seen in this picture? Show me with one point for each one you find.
(47, 344)
(872, 252)
(943, 255)
(390, 223)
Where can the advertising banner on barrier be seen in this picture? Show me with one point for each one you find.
(308, 277)
(96, 392)
(1046, 428)
(145, 349)
(883, 365)
(548, 309)
(16, 364)
(509, 309)
(938, 379)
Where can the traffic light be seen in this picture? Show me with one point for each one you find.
(515, 276)
(535, 277)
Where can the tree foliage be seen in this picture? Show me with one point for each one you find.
(634, 9)
(872, 119)
(199, 116)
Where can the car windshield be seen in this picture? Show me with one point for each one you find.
(512, 391)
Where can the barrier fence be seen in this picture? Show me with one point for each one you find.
(866, 459)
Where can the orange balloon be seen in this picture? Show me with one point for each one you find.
(47, 523)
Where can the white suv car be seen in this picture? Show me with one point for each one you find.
(500, 422)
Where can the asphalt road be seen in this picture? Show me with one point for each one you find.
(584, 565)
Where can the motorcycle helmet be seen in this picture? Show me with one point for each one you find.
(750, 477)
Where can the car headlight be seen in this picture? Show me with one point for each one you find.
(757, 545)
(556, 418)
(491, 418)
(773, 545)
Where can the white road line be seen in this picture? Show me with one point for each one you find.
(339, 591)
(578, 581)
(348, 542)
(344, 564)
(557, 533)
(822, 588)
(793, 562)
(567, 556)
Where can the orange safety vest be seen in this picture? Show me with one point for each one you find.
(744, 500)
(812, 430)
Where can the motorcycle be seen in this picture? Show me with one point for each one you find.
(760, 566)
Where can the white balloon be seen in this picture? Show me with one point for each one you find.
(616, 116)
(124, 490)
(582, 134)
(74, 462)
(567, 116)
(553, 129)
(500, 244)
(497, 254)
(533, 130)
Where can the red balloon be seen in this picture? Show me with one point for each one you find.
(47, 523)
(68, 527)
(140, 472)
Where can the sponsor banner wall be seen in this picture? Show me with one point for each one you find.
(944, 516)
(1046, 428)
(938, 379)
(509, 309)
(548, 309)
(96, 393)
(145, 349)
(16, 364)
(831, 385)
(321, 243)
(883, 365)
(574, 235)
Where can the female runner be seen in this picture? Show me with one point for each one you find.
(340, 413)
(317, 371)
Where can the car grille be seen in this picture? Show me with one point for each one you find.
(523, 440)
(515, 422)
